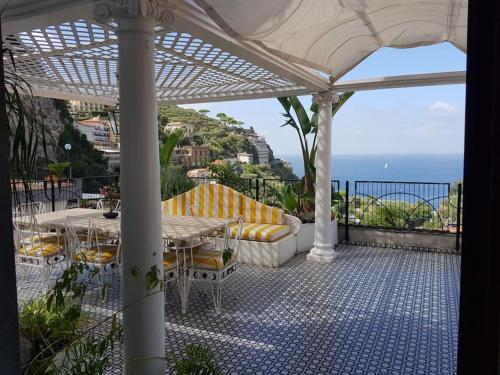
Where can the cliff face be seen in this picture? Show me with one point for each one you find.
(53, 125)
(49, 120)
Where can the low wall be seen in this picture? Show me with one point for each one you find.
(399, 239)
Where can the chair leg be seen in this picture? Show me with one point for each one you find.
(217, 296)
(46, 271)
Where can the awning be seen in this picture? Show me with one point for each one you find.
(333, 36)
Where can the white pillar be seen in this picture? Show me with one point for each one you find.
(323, 242)
(141, 243)
(143, 318)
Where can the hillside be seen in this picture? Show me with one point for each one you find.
(225, 140)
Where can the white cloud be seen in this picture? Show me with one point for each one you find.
(442, 108)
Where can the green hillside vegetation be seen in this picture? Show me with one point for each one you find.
(224, 134)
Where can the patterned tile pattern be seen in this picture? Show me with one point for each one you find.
(373, 311)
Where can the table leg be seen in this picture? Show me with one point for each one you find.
(184, 281)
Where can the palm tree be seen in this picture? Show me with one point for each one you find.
(305, 126)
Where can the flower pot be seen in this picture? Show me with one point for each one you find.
(110, 215)
(305, 238)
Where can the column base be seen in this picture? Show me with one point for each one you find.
(321, 254)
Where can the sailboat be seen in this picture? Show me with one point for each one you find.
(385, 166)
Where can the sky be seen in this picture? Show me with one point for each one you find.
(423, 120)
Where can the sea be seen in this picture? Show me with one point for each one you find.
(401, 168)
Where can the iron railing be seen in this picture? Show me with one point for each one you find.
(409, 206)
(63, 193)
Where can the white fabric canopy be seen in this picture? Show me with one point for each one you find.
(335, 35)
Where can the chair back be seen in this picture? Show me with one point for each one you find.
(230, 242)
(74, 243)
(24, 231)
(100, 205)
(31, 208)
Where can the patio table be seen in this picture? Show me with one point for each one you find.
(179, 229)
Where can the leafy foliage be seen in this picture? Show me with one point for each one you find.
(198, 361)
(306, 127)
(85, 159)
(174, 182)
(167, 148)
(293, 199)
(26, 127)
(55, 327)
(58, 168)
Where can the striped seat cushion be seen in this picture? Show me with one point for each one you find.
(209, 260)
(261, 232)
(107, 255)
(169, 261)
(38, 249)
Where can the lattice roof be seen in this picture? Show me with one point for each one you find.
(79, 59)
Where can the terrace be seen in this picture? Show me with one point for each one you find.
(372, 311)
(355, 309)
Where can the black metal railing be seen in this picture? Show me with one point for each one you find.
(401, 205)
(409, 206)
(63, 193)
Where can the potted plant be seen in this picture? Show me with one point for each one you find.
(110, 198)
(58, 337)
(57, 170)
(296, 202)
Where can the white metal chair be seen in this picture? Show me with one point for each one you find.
(217, 265)
(94, 250)
(35, 247)
(31, 208)
(101, 205)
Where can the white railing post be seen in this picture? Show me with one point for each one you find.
(322, 250)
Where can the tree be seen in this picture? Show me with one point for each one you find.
(307, 126)
(85, 160)
(203, 111)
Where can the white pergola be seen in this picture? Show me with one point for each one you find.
(150, 52)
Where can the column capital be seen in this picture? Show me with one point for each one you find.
(159, 10)
(325, 97)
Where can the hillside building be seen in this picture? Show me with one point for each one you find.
(96, 130)
(188, 128)
(113, 157)
(192, 156)
(76, 106)
(245, 158)
(261, 146)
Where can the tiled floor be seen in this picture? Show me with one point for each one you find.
(373, 311)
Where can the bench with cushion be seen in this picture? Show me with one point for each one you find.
(268, 236)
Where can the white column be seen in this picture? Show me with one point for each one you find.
(323, 241)
(143, 318)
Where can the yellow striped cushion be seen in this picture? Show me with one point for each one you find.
(261, 232)
(255, 212)
(210, 260)
(40, 249)
(169, 261)
(207, 200)
(108, 255)
(44, 238)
